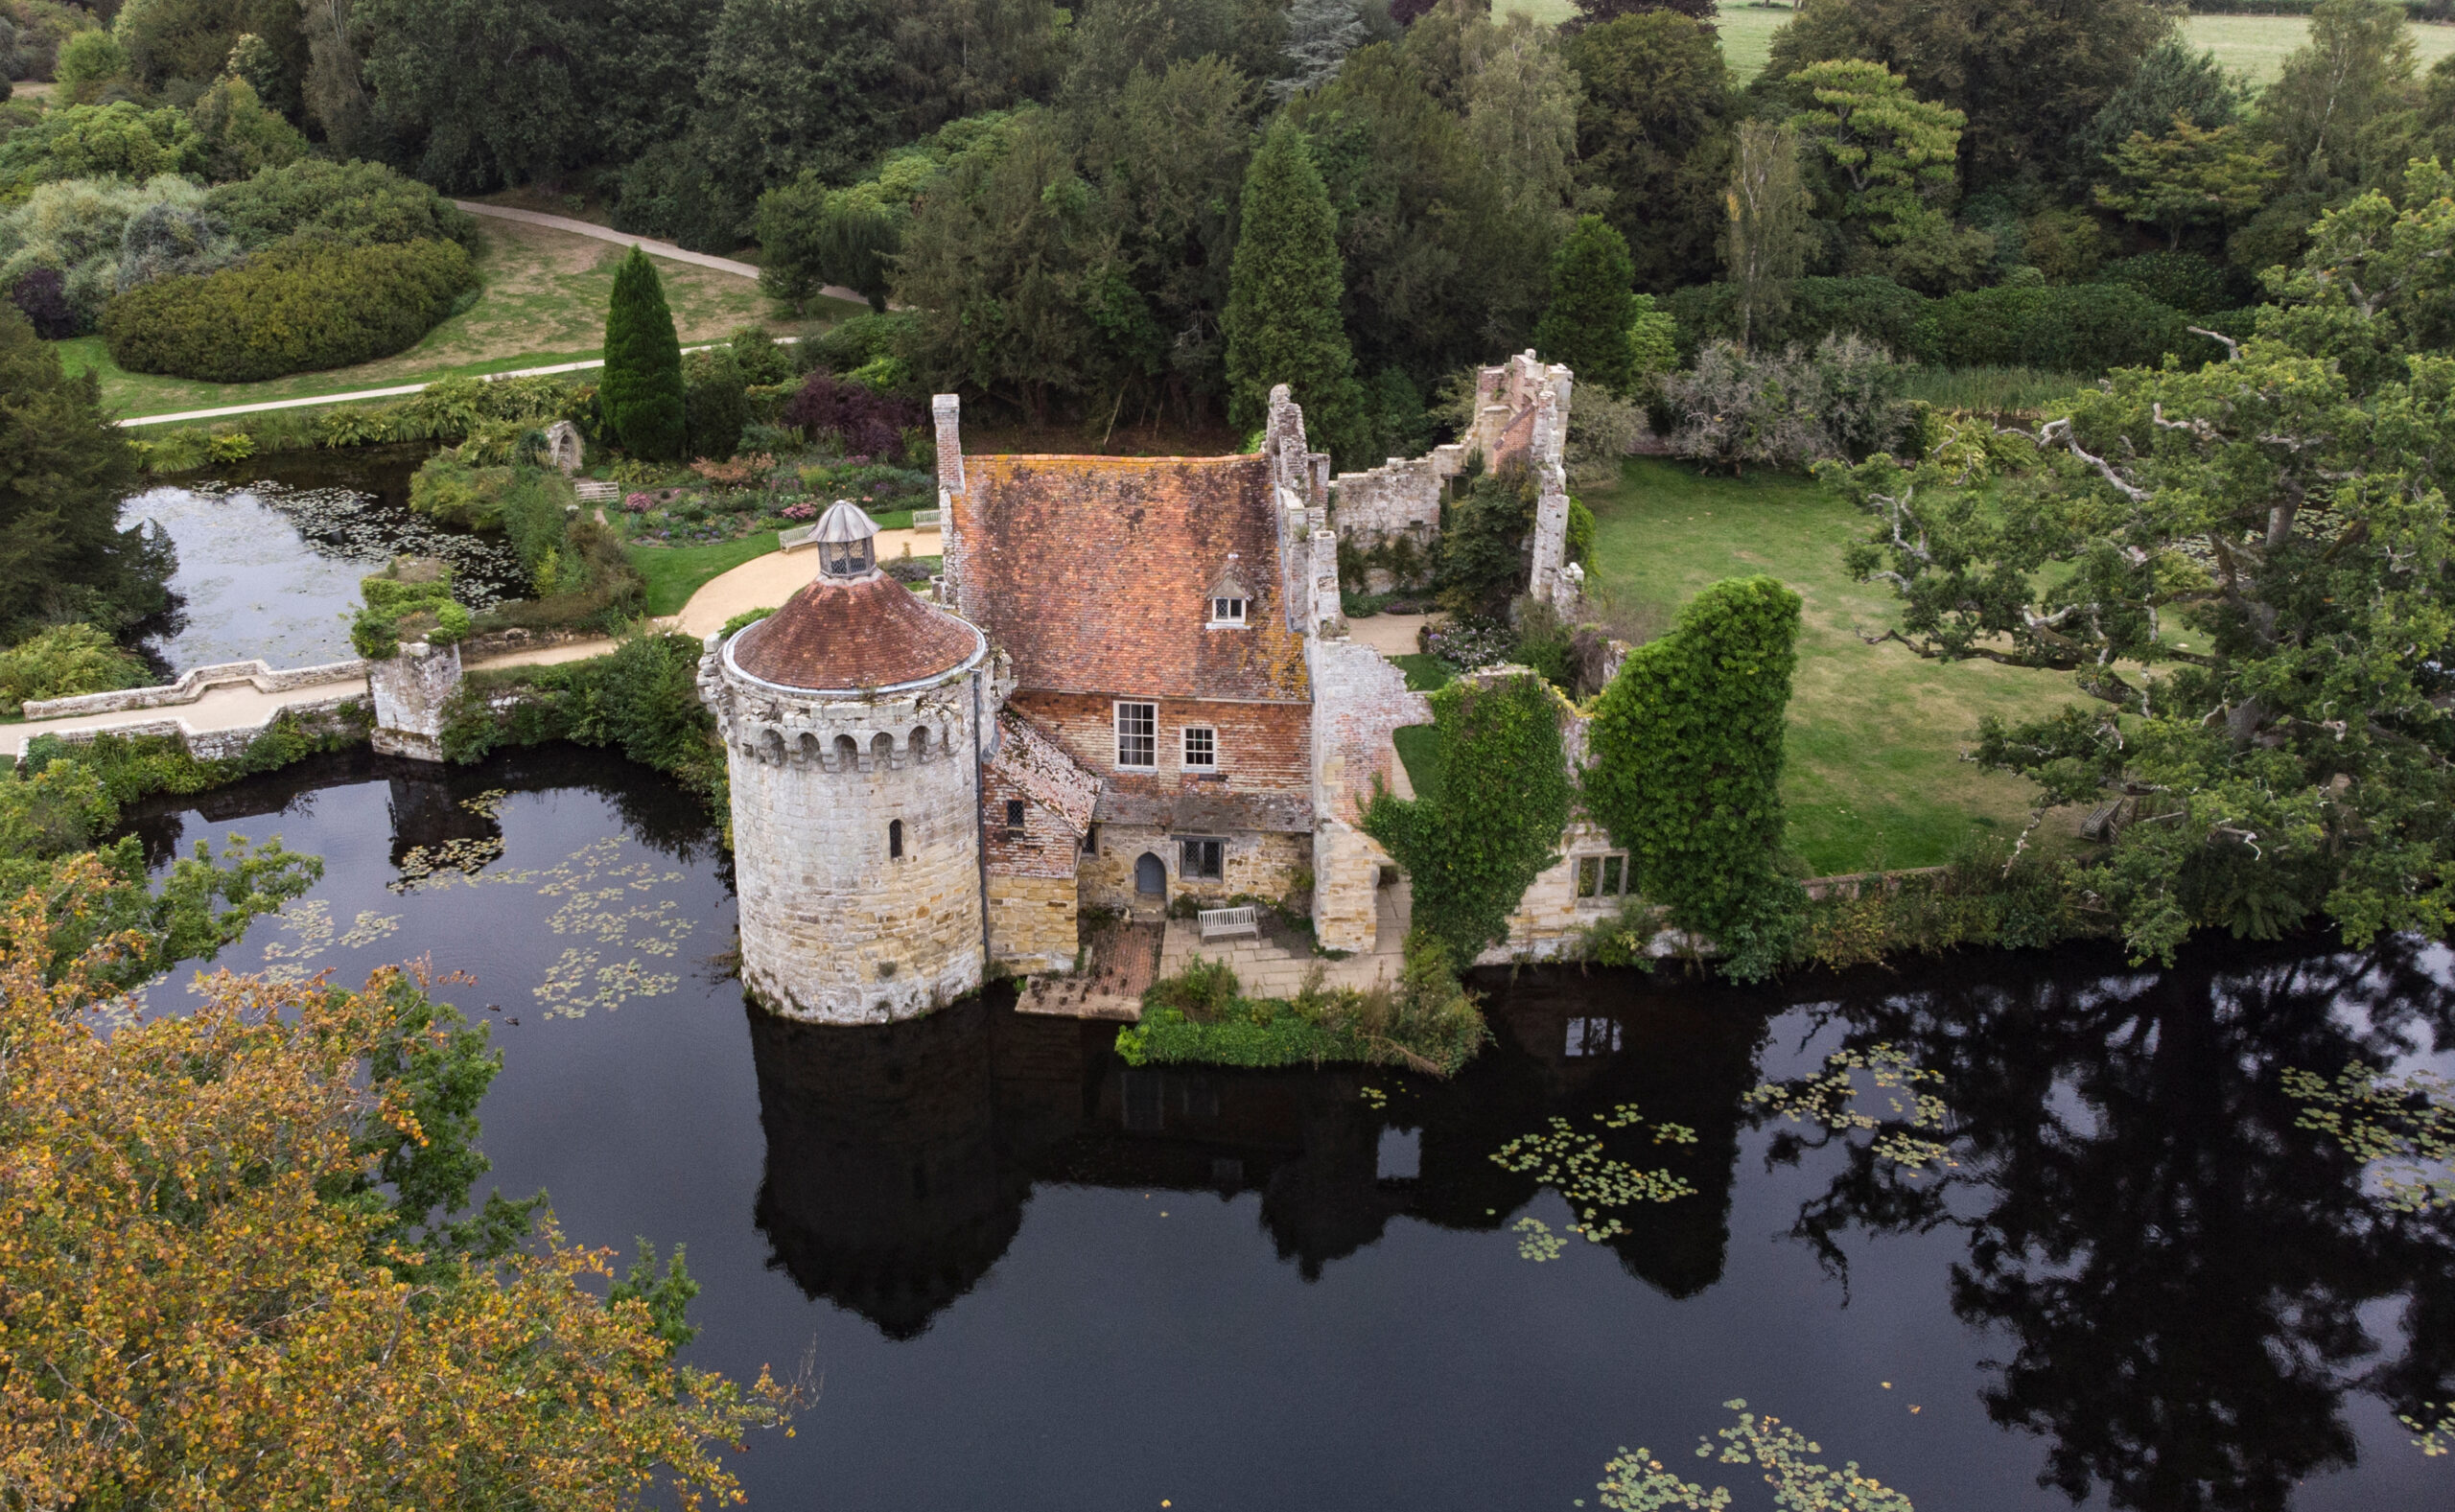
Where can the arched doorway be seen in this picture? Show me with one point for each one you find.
(1150, 877)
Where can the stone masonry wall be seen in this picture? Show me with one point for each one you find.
(343, 715)
(1031, 922)
(833, 929)
(192, 685)
(411, 689)
(1550, 920)
(1401, 497)
(1261, 865)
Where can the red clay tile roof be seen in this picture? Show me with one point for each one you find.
(1094, 574)
(871, 632)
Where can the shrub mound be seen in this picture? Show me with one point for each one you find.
(64, 661)
(294, 309)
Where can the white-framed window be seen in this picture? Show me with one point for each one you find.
(1202, 748)
(1138, 736)
(1200, 859)
(1599, 876)
(1227, 613)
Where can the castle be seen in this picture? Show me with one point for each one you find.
(1137, 686)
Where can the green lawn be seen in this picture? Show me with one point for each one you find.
(544, 303)
(1419, 748)
(1874, 777)
(2255, 45)
(674, 573)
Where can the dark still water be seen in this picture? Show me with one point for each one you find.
(1033, 1278)
(271, 552)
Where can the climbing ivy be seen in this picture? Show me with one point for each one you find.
(1687, 747)
(1502, 795)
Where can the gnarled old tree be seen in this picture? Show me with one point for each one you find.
(2247, 567)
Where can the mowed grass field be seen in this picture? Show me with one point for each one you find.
(2251, 45)
(1875, 777)
(543, 302)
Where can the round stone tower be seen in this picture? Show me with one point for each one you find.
(852, 719)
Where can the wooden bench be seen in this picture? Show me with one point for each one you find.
(1217, 923)
(927, 519)
(597, 491)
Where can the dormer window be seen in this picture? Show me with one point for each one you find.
(1230, 600)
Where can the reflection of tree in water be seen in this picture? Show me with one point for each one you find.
(2182, 1270)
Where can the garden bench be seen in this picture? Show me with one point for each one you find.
(927, 519)
(597, 491)
(1217, 923)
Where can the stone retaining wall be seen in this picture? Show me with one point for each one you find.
(193, 685)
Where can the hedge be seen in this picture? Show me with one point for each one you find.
(2077, 328)
(1878, 309)
(2184, 280)
(296, 308)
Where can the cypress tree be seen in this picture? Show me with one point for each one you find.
(642, 392)
(1284, 291)
(1593, 302)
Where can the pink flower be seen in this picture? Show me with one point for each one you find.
(638, 504)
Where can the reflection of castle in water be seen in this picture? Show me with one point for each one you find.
(900, 1156)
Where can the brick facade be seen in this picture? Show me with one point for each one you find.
(1261, 747)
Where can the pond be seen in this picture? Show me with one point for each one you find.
(271, 553)
(1030, 1276)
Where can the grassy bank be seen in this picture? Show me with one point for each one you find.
(674, 573)
(1875, 777)
(543, 302)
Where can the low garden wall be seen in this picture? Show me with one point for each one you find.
(343, 715)
(193, 685)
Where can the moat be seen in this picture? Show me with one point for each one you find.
(1027, 1275)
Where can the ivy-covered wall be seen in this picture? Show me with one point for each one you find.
(1686, 751)
(1491, 821)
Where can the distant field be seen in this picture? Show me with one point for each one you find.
(544, 303)
(2251, 45)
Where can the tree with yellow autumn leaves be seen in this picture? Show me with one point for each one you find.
(229, 1275)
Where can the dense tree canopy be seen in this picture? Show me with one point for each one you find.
(1653, 131)
(63, 470)
(2027, 78)
(219, 1286)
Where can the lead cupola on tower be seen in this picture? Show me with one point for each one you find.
(846, 541)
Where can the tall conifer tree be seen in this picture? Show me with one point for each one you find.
(642, 392)
(1594, 301)
(1284, 291)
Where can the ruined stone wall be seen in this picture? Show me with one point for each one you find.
(1260, 864)
(1032, 921)
(1263, 748)
(1550, 920)
(1347, 876)
(1401, 497)
(1359, 698)
(833, 928)
(410, 691)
